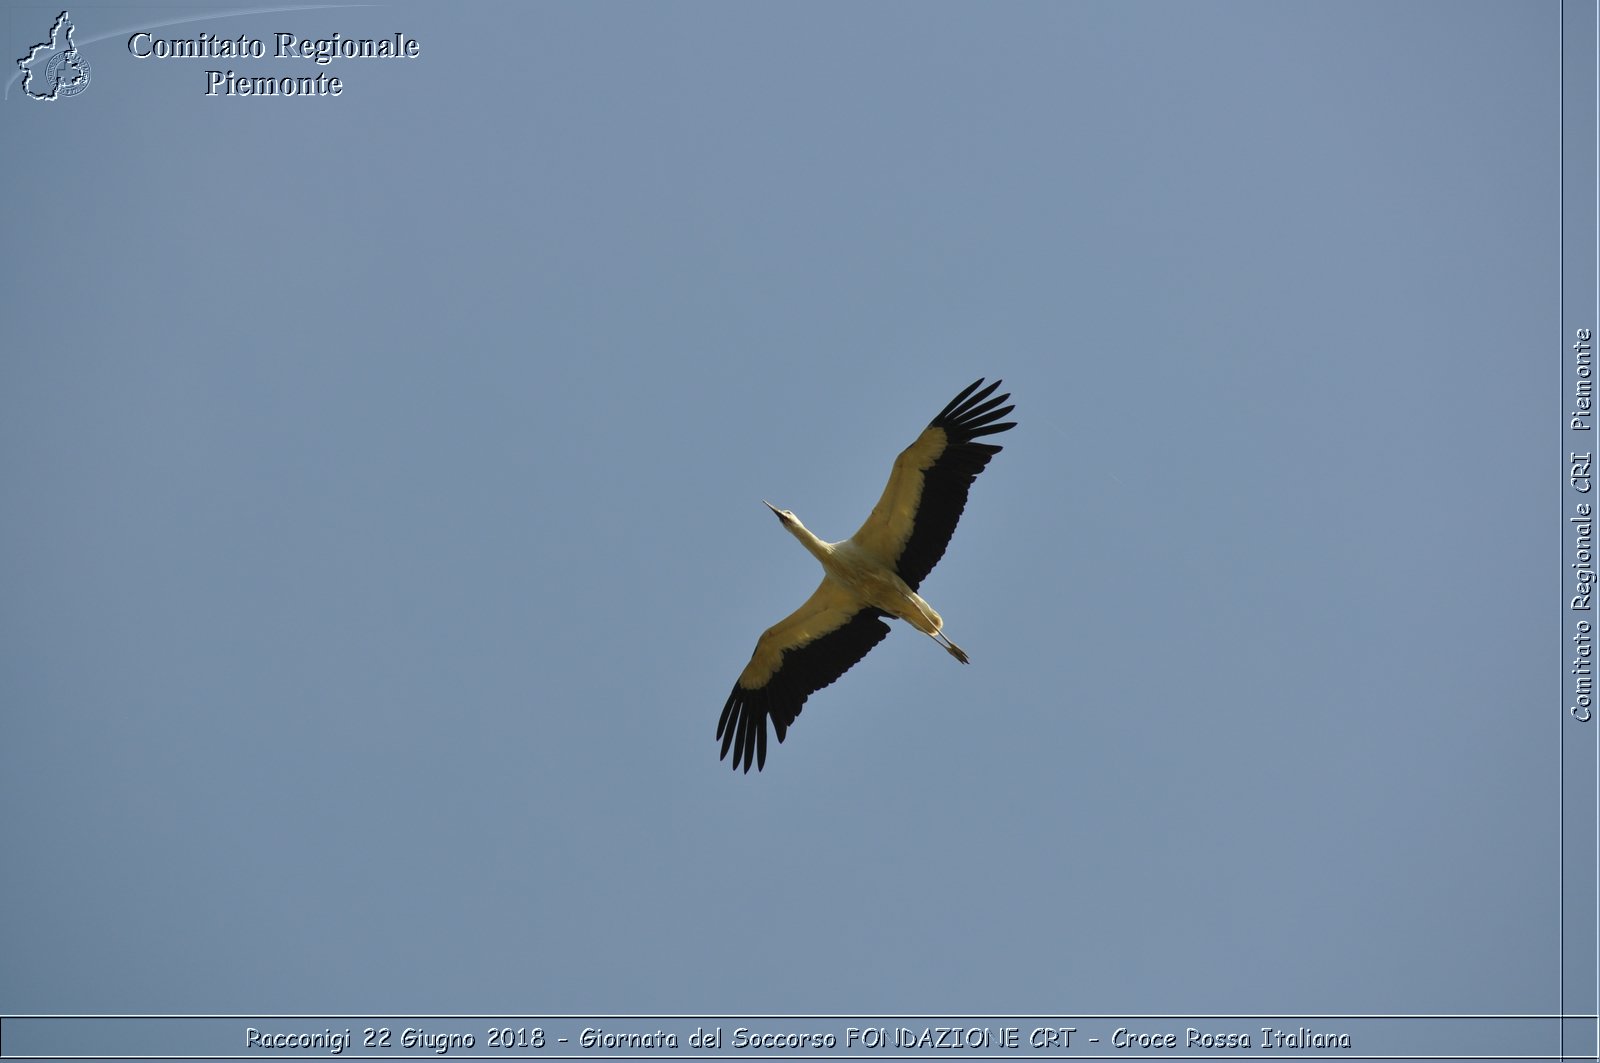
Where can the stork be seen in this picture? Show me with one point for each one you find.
(871, 575)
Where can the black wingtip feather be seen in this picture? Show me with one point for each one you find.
(973, 412)
(743, 719)
(743, 728)
(959, 399)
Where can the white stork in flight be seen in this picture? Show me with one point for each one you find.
(869, 576)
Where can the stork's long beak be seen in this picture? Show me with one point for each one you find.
(772, 507)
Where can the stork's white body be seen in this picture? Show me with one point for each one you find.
(871, 580)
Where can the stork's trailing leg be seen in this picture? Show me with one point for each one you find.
(932, 625)
(951, 648)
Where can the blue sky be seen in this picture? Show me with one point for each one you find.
(384, 480)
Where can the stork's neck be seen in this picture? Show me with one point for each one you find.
(819, 549)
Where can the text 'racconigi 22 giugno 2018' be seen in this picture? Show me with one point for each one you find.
(320, 50)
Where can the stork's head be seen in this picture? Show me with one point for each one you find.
(787, 519)
(792, 525)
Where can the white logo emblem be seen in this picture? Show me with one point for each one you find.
(55, 68)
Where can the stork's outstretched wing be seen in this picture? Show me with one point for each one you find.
(912, 523)
(797, 656)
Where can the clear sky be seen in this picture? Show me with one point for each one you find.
(383, 526)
